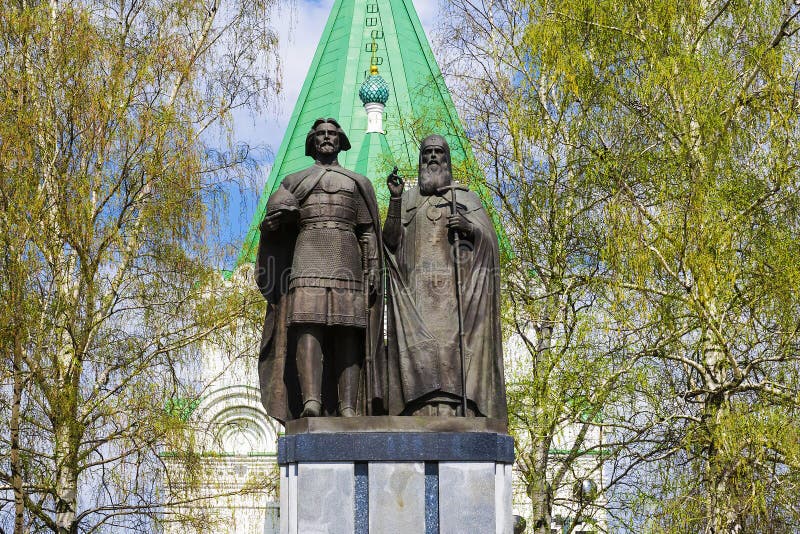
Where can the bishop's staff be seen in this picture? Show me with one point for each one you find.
(457, 261)
(366, 265)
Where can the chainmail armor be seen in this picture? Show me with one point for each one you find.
(327, 252)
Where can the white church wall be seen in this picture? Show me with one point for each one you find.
(237, 491)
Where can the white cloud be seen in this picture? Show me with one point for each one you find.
(427, 11)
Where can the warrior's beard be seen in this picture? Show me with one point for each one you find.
(434, 176)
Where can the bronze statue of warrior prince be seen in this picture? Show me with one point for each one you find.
(319, 263)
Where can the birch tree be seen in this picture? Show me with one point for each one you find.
(567, 356)
(108, 191)
(672, 129)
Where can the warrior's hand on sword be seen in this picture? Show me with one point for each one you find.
(395, 184)
(369, 267)
(372, 284)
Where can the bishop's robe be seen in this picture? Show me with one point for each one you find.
(423, 350)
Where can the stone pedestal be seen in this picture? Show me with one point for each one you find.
(391, 475)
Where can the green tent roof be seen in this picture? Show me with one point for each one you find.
(358, 34)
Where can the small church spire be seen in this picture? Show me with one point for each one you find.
(374, 93)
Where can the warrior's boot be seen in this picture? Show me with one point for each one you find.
(309, 368)
(311, 408)
(348, 390)
(347, 359)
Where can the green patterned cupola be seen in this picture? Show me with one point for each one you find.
(374, 93)
(360, 37)
(374, 90)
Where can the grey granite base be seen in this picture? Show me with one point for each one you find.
(394, 481)
(396, 497)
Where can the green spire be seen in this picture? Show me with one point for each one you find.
(360, 34)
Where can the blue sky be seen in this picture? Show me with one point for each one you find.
(300, 28)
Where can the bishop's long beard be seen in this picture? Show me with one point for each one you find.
(432, 177)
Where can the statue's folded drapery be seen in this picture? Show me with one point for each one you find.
(423, 353)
